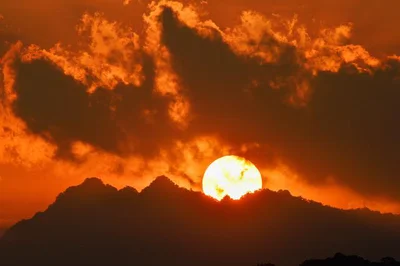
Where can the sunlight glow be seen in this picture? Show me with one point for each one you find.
(231, 176)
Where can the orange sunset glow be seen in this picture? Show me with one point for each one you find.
(224, 98)
(113, 53)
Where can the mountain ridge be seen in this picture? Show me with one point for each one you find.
(167, 223)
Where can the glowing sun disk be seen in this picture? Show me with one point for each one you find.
(231, 176)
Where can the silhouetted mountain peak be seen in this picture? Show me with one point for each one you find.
(128, 190)
(128, 193)
(93, 182)
(94, 222)
(342, 260)
(91, 188)
(161, 184)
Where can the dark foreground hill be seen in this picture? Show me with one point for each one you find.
(342, 260)
(95, 224)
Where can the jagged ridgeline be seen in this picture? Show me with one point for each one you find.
(96, 224)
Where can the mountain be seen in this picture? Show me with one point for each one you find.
(343, 260)
(96, 224)
(2, 230)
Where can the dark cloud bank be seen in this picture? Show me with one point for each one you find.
(58, 108)
(348, 130)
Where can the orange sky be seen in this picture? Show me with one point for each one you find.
(131, 92)
(370, 18)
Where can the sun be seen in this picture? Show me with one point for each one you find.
(231, 176)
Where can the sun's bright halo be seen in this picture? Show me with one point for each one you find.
(231, 176)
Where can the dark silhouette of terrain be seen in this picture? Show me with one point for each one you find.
(2, 230)
(96, 224)
(342, 260)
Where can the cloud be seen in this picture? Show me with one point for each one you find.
(109, 53)
(346, 131)
(172, 98)
(125, 120)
